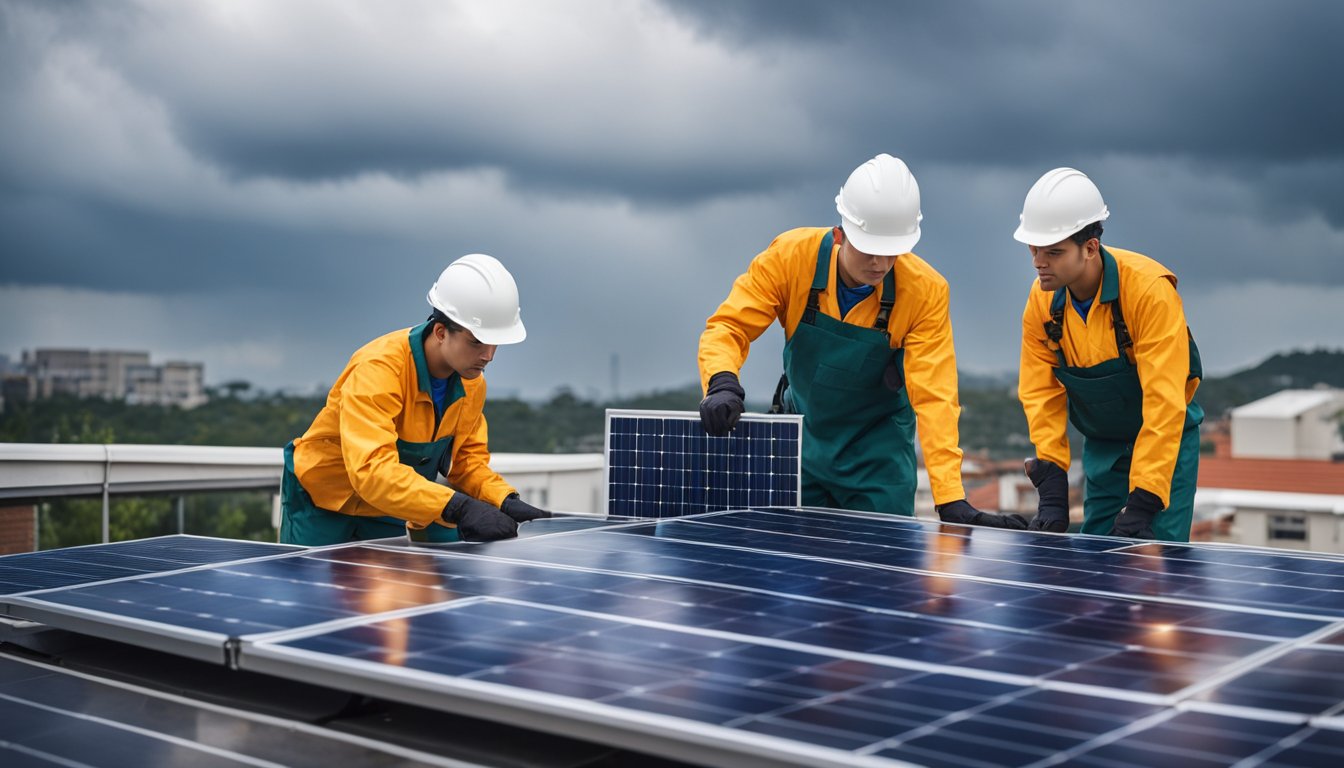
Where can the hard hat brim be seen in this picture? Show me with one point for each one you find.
(500, 336)
(1038, 239)
(880, 245)
(1042, 239)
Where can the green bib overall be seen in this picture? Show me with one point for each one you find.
(858, 432)
(1106, 406)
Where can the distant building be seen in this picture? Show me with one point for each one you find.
(109, 374)
(1292, 424)
(1275, 473)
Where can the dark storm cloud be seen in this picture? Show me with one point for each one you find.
(285, 179)
(1030, 80)
(117, 248)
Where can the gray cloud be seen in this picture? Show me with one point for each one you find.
(1007, 82)
(277, 183)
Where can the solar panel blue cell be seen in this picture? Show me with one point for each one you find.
(662, 464)
(99, 562)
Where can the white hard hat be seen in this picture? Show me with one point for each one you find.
(1059, 204)
(479, 294)
(879, 207)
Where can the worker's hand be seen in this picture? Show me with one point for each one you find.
(520, 510)
(723, 404)
(478, 521)
(1052, 485)
(961, 511)
(1135, 520)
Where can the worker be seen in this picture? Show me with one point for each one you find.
(406, 410)
(1105, 346)
(868, 352)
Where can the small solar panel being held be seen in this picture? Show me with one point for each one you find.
(662, 464)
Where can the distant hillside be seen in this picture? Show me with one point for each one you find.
(1293, 370)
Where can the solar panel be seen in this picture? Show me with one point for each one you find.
(662, 464)
(53, 717)
(799, 637)
(98, 562)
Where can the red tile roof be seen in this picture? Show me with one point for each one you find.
(984, 497)
(1283, 475)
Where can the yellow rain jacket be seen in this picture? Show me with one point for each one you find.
(775, 287)
(348, 460)
(1152, 310)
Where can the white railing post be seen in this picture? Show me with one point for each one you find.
(107, 484)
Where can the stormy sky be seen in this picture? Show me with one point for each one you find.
(264, 185)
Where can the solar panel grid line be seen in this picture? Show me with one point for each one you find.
(1134, 729)
(930, 729)
(1165, 598)
(644, 731)
(1244, 713)
(1267, 754)
(1255, 661)
(298, 726)
(662, 463)
(335, 625)
(937, 725)
(1063, 756)
(1255, 740)
(40, 757)
(177, 741)
(1328, 722)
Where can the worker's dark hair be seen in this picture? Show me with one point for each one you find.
(1087, 233)
(438, 318)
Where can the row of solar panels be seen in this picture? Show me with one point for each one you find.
(800, 637)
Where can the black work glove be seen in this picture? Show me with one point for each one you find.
(723, 405)
(961, 511)
(1052, 484)
(1135, 520)
(520, 510)
(478, 521)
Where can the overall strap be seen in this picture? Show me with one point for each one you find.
(888, 301)
(1110, 295)
(819, 278)
(1123, 341)
(1054, 327)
